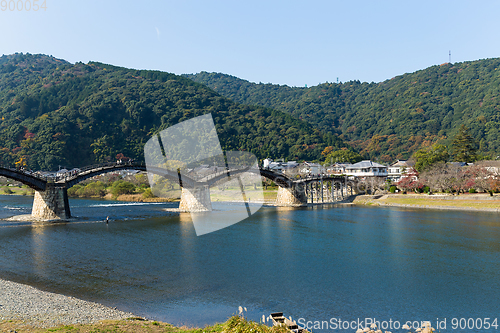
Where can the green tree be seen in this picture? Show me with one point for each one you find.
(427, 157)
(122, 187)
(464, 146)
(342, 155)
(97, 189)
(393, 118)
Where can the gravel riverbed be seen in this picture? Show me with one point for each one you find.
(44, 309)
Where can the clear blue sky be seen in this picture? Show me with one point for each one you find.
(285, 42)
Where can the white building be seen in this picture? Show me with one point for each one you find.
(309, 168)
(366, 169)
(279, 166)
(61, 172)
(266, 162)
(337, 168)
(491, 166)
(398, 170)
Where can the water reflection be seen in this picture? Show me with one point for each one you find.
(38, 248)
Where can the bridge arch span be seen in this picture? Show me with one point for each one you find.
(280, 179)
(90, 172)
(51, 200)
(34, 182)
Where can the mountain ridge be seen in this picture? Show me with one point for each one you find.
(391, 119)
(54, 113)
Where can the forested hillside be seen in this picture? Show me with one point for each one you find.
(56, 113)
(390, 119)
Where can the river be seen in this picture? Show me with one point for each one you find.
(314, 264)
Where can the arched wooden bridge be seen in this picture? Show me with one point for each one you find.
(51, 198)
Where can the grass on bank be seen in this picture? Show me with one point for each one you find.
(235, 324)
(235, 194)
(462, 201)
(270, 195)
(142, 195)
(16, 190)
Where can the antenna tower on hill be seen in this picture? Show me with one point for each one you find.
(450, 56)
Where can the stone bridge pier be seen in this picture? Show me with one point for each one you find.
(294, 196)
(52, 203)
(196, 199)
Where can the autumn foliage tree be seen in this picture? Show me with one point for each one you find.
(447, 177)
(121, 157)
(410, 182)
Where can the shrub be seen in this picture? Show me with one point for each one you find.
(237, 324)
(392, 189)
(472, 190)
(120, 187)
(148, 194)
(74, 190)
(141, 188)
(7, 191)
(97, 189)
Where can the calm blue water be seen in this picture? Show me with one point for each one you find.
(344, 262)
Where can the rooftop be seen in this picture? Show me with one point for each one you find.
(402, 164)
(366, 164)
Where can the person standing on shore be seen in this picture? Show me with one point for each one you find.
(107, 219)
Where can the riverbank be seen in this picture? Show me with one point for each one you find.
(16, 190)
(235, 324)
(469, 202)
(130, 325)
(133, 198)
(25, 306)
(269, 196)
(26, 309)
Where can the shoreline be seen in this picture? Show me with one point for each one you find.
(425, 201)
(31, 307)
(381, 200)
(468, 209)
(471, 203)
(108, 197)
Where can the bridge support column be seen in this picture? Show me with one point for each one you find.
(195, 200)
(51, 204)
(321, 185)
(292, 197)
